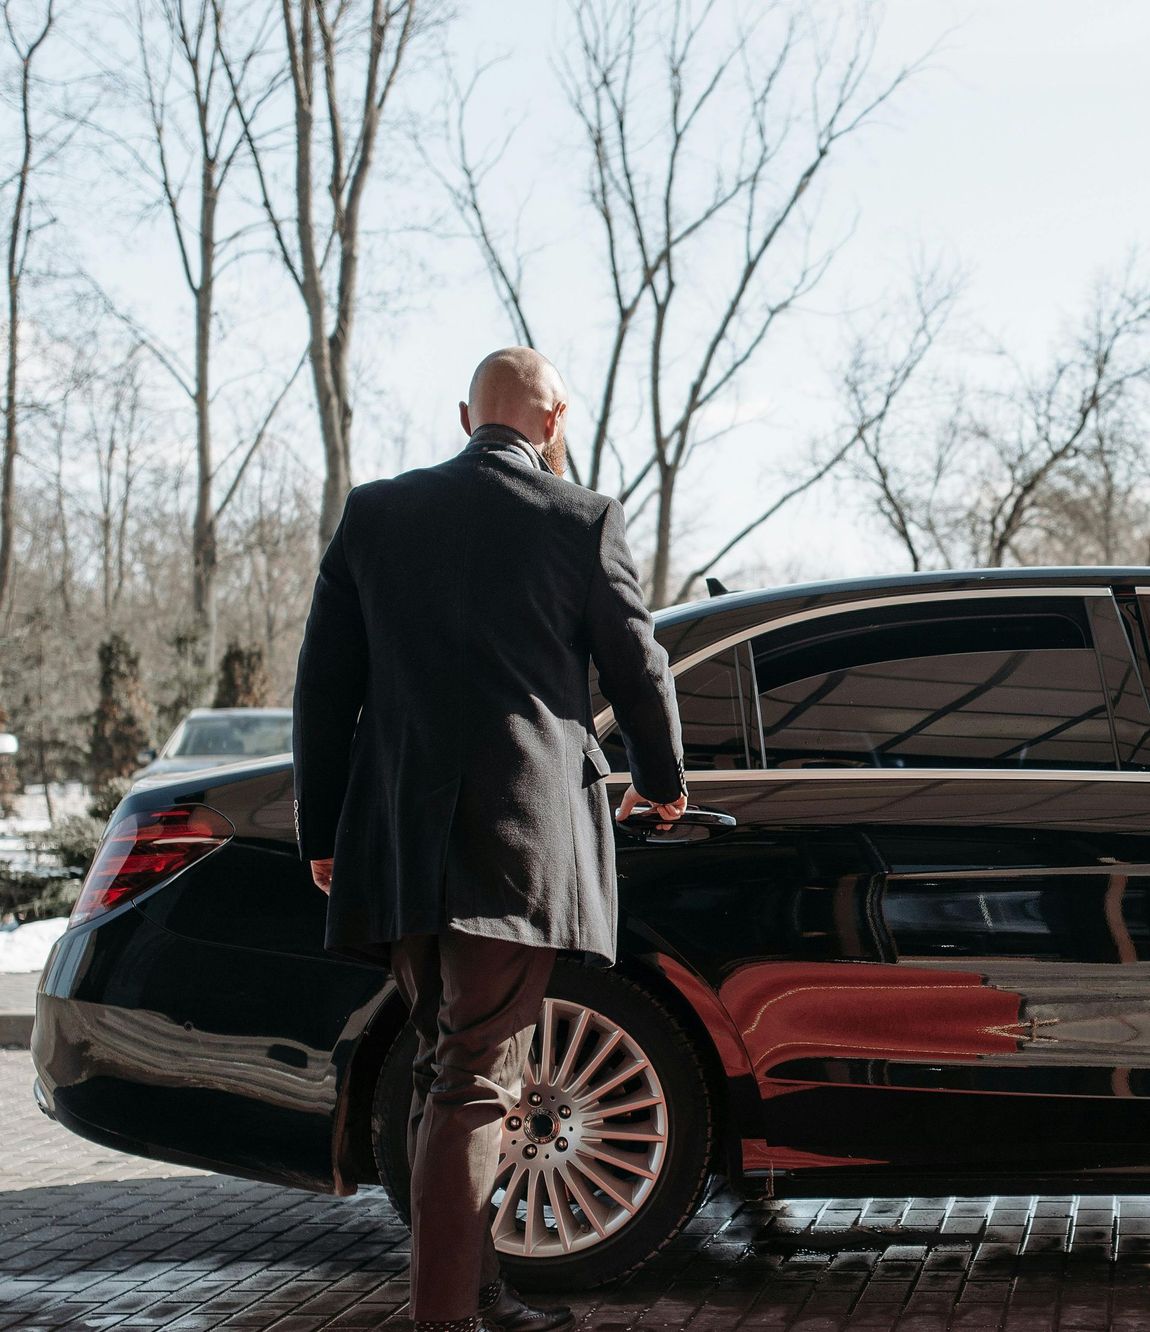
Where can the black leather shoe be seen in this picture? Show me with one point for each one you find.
(512, 1313)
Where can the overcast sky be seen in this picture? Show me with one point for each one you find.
(1019, 155)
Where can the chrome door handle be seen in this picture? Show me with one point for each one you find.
(643, 816)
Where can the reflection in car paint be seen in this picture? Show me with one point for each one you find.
(785, 1011)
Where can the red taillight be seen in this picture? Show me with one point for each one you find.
(142, 850)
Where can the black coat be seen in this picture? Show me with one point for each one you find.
(459, 606)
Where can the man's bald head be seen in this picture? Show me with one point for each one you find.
(513, 380)
(517, 387)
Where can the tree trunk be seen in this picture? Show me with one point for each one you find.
(337, 473)
(204, 553)
(337, 449)
(603, 422)
(41, 746)
(11, 437)
(17, 237)
(661, 568)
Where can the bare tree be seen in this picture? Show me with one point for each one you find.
(273, 582)
(1098, 511)
(114, 417)
(883, 361)
(324, 39)
(196, 139)
(1044, 462)
(21, 227)
(103, 538)
(879, 373)
(1052, 423)
(684, 331)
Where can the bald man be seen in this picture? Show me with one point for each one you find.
(522, 391)
(448, 782)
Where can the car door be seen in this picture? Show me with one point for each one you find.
(927, 923)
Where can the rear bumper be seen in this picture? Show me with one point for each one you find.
(41, 1098)
(183, 1051)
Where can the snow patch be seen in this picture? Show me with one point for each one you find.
(35, 811)
(26, 948)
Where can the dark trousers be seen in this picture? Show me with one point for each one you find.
(474, 1003)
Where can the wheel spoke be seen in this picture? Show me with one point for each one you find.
(588, 1203)
(616, 1079)
(535, 1226)
(574, 1044)
(622, 1134)
(602, 1180)
(546, 1041)
(624, 1162)
(561, 1208)
(611, 1108)
(596, 1060)
(504, 1222)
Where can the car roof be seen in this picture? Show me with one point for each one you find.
(239, 712)
(843, 589)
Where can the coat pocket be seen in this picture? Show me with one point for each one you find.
(595, 764)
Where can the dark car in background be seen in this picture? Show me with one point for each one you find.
(900, 941)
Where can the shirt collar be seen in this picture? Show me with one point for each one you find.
(505, 439)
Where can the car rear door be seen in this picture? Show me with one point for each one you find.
(928, 923)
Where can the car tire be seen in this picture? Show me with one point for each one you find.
(670, 1140)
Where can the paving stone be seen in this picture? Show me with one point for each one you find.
(92, 1239)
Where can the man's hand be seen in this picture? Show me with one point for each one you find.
(670, 812)
(321, 873)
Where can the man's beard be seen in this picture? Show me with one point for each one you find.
(554, 452)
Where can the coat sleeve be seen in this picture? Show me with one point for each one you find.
(633, 669)
(331, 676)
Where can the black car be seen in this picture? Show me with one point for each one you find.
(899, 942)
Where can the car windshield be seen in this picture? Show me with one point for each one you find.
(238, 736)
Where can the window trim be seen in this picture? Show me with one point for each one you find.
(760, 746)
(744, 693)
(604, 719)
(1126, 700)
(1082, 776)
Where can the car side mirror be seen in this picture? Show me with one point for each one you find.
(145, 755)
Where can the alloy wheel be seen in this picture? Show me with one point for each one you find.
(583, 1149)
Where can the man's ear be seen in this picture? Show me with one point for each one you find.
(553, 420)
(465, 418)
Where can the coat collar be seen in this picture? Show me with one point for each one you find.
(509, 443)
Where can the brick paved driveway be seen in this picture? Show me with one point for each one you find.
(92, 1239)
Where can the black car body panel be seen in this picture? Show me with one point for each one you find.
(921, 954)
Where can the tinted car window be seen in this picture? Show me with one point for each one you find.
(253, 736)
(1054, 918)
(713, 698)
(983, 686)
(1012, 892)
